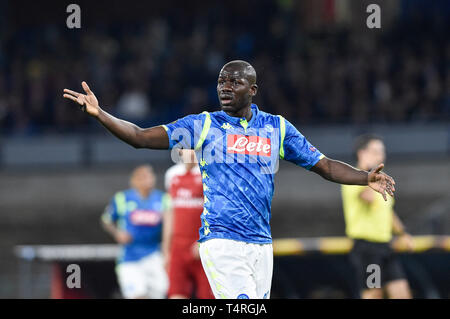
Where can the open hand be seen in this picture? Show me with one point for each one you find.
(381, 182)
(88, 102)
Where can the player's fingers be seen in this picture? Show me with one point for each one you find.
(390, 179)
(391, 182)
(86, 88)
(71, 92)
(389, 191)
(392, 187)
(384, 196)
(70, 97)
(379, 168)
(382, 189)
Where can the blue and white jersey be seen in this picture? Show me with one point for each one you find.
(141, 218)
(238, 160)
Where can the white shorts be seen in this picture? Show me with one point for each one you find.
(144, 278)
(237, 269)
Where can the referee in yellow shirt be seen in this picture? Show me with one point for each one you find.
(371, 222)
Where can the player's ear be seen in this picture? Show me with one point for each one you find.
(253, 89)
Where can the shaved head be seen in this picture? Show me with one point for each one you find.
(236, 87)
(244, 68)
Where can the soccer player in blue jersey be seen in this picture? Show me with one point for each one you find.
(134, 220)
(238, 149)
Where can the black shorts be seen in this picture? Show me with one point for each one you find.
(365, 253)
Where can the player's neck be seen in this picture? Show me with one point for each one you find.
(144, 193)
(189, 166)
(244, 112)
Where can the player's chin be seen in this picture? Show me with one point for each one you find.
(227, 106)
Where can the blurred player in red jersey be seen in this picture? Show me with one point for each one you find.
(183, 182)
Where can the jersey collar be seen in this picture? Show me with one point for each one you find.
(138, 196)
(237, 120)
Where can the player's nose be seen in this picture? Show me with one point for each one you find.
(227, 87)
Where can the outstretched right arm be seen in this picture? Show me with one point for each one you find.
(153, 137)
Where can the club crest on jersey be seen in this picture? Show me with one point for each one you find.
(145, 217)
(269, 128)
(250, 145)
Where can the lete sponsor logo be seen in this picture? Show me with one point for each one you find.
(250, 145)
(145, 217)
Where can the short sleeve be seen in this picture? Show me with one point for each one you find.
(166, 202)
(110, 214)
(167, 180)
(296, 148)
(185, 132)
(168, 177)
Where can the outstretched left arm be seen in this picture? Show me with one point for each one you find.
(342, 173)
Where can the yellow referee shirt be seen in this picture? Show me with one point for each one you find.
(368, 221)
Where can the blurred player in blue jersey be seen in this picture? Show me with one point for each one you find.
(238, 149)
(134, 219)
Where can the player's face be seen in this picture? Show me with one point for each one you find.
(143, 179)
(234, 90)
(373, 155)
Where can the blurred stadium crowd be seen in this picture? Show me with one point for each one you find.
(155, 70)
